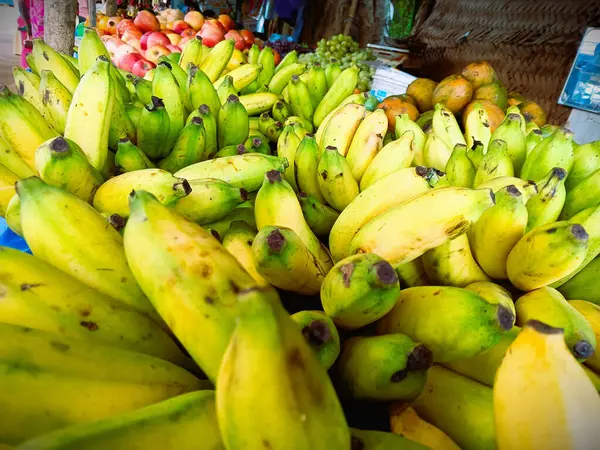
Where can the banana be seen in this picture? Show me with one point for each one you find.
(289, 58)
(240, 77)
(532, 139)
(477, 127)
(530, 127)
(264, 122)
(359, 290)
(243, 213)
(332, 72)
(201, 91)
(341, 88)
(281, 79)
(404, 124)
(120, 127)
(238, 241)
(553, 151)
(515, 110)
(405, 421)
(555, 250)
(300, 100)
(306, 162)
(255, 144)
(300, 130)
(274, 131)
(381, 196)
(495, 163)
(459, 168)
(217, 59)
(143, 90)
(336, 182)
(585, 162)
(28, 87)
(180, 419)
(38, 296)
(121, 91)
(253, 54)
(475, 153)
(493, 293)
(75, 382)
(189, 147)
(209, 200)
(419, 314)
(226, 89)
(153, 129)
(22, 127)
(287, 145)
(130, 158)
(408, 230)
(394, 156)
(188, 276)
(584, 285)
(210, 130)
(277, 205)
(320, 334)
(542, 397)
(527, 188)
(265, 351)
(281, 111)
(266, 59)
(12, 215)
(357, 99)
(232, 123)
(181, 78)
(109, 169)
(497, 231)
(383, 368)
(585, 195)
(452, 264)
(90, 47)
(412, 274)
(319, 217)
(63, 164)
(341, 127)
(56, 100)
(360, 159)
(244, 171)
(545, 207)
(10, 159)
(460, 407)
(7, 188)
(259, 103)
(362, 151)
(591, 313)
(317, 83)
(232, 150)
(436, 153)
(91, 111)
(547, 305)
(382, 440)
(165, 87)
(446, 128)
(46, 58)
(510, 132)
(193, 53)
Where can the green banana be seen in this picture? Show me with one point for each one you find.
(321, 334)
(188, 276)
(419, 314)
(179, 419)
(274, 131)
(317, 83)
(120, 127)
(231, 150)
(143, 90)
(226, 89)
(586, 161)
(90, 47)
(515, 110)
(510, 132)
(89, 117)
(210, 200)
(359, 290)
(404, 124)
(12, 215)
(305, 166)
(585, 285)
(130, 158)
(554, 151)
(165, 87)
(533, 139)
(153, 129)
(391, 367)
(238, 241)
(283, 77)
(459, 168)
(412, 274)
(63, 164)
(475, 153)
(10, 159)
(121, 91)
(332, 72)
(202, 91)
(494, 293)
(495, 163)
(585, 195)
(188, 149)
(319, 217)
(193, 53)
(336, 182)
(341, 88)
(253, 54)
(266, 59)
(394, 156)
(46, 58)
(210, 130)
(247, 171)
(81, 230)
(545, 207)
(217, 60)
(232, 123)
(264, 122)
(281, 111)
(181, 78)
(289, 58)
(300, 100)
(133, 113)
(242, 213)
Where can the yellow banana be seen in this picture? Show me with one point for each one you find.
(436, 153)
(11, 160)
(412, 274)
(546, 205)
(396, 155)
(306, 161)
(46, 58)
(319, 217)
(165, 87)
(495, 163)
(404, 124)
(217, 59)
(12, 215)
(238, 241)
(446, 128)
(241, 76)
(360, 159)
(287, 145)
(585, 162)
(7, 188)
(341, 88)
(336, 182)
(527, 188)
(493, 293)
(358, 99)
(56, 100)
(90, 47)
(542, 397)
(510, 132)
(193, 53)
(591, 313)
(341, 128)
(28, 87)
(477, 127)
(360, 153)
(259, 103)
(554, 151)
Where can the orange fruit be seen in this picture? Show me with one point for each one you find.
(479, 73)
(454, 92)
(422, 91)
(494, 92)
(102, 24)
(533, 113)
(396, 106)
(514, 98)
(495, 114)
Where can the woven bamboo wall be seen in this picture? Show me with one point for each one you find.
(530, 43)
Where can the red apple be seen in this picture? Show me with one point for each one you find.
(240, 44)
(142, 67)
(127, 60)
(132, 33)
(153, 53)
(135, 44)
(174, 37)
(216, 23)
(188, 33)
(123, 25)
(173, 48)
(210, 34)
(179, 26)
(248, 37)
(146, 21)
(226, 21)
(183, 42)
(144, 39)
(157, 38)
(113, 43)
(195, 19)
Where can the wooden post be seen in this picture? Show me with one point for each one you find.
(92, 12)
(59, 24)
(110, 8)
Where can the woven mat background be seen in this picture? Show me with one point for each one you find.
(530, 43)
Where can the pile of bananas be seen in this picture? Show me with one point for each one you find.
(458, 292)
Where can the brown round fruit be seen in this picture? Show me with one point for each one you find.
(422, 91)
(494, 92)
(495, 114)
(454, 92)
(479, 73)
(533, 113)
(396, 106)
(515, 98)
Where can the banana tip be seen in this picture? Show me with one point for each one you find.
(317, 333)
(421, 358)
(59, 145)
(583, 349)
(275, 240)
(385, 273)
(543, 328)
(579, 232)
(273, 176)
(506, 317)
